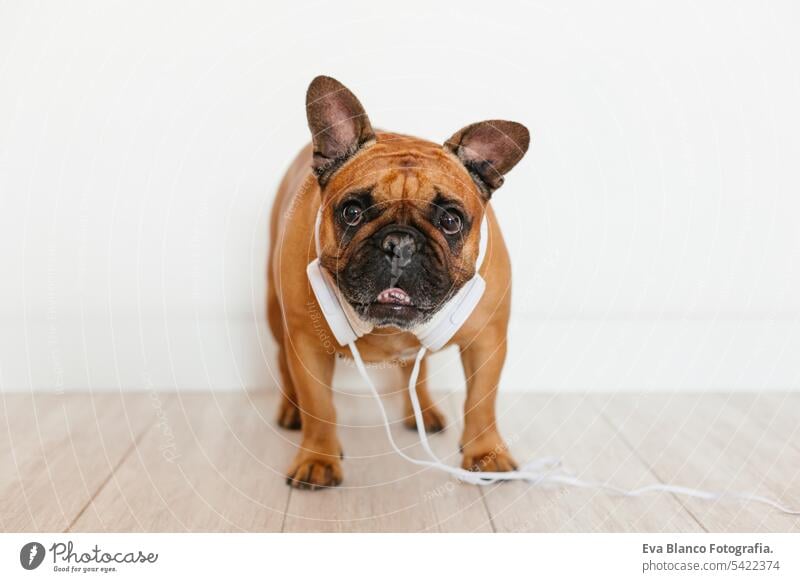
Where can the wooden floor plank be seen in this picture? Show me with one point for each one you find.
(776, 412)
(382, 491)
(569, 427)
(57, 451)
(707, 442)
(216, 462)
(213, 462)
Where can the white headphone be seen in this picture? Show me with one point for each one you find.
(433, 335)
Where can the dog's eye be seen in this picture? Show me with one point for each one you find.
(450, 222)
(352, 213)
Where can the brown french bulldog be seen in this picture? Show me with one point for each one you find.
(379, 190)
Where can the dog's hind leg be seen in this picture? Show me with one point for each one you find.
(288, 412)
(432, 417)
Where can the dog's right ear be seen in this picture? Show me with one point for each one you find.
(339, 126)
(489, 149)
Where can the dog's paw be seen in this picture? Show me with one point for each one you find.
(312, 471)
(432, 420)
(485, 459)
(289, 415)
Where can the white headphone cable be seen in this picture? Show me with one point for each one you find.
(539, 472)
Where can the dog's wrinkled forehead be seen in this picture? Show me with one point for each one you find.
(398, 168)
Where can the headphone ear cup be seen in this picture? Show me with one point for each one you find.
(329, 304)
(455, 314)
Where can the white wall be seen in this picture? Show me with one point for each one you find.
(653, 224)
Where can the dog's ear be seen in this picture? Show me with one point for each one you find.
(489, 149)
(339, 126)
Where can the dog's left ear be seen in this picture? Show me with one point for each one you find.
(489, 149)
(338, 123)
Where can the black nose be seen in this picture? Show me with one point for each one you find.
(400, 246)
(399, 242)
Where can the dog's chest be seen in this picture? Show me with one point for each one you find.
(387, 346)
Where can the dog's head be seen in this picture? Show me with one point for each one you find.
(401, 216)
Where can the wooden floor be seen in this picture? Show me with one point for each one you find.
(215, 462)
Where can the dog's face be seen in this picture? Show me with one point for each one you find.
(403, 219)
(401, 216)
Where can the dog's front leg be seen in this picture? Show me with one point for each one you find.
(317, 463)
(483, 447)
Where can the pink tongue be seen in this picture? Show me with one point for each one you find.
(394, 295)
